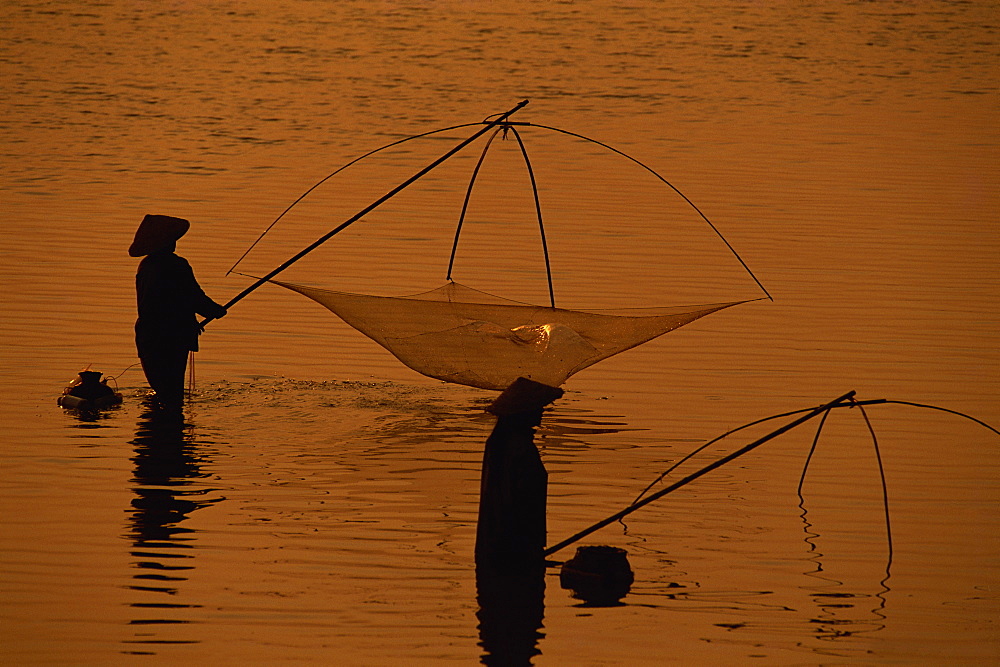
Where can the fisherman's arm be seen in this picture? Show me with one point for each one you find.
(200, 302)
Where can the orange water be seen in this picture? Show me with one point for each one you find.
(319, 505)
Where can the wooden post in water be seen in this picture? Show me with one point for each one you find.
(511, 532)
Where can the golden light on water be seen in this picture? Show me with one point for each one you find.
(848, 152)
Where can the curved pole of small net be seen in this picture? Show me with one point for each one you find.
(876, 401)
(465, 204)
(814, 412)
(496, 120)
(809, 456)
(885, 502)
(845, 401)
(671, 186)
(711, 442)
(538, 212)
(949, 411)
(885, 487)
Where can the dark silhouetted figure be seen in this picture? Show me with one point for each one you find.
(169, 300)
(510, 534)
(169, 484)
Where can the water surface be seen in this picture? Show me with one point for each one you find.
(318, 502)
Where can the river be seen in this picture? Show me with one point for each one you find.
(318, 503)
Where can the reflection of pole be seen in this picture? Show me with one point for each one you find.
(695, 475)
(510, 535)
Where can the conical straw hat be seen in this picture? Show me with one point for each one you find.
(156, 231)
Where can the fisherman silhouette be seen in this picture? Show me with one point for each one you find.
(169, 300)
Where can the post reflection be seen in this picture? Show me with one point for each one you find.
(167, 467)
(840, 611)
(511, 610)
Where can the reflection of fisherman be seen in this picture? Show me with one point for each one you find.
(169, 298)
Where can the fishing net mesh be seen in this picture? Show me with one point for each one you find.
(462, 335)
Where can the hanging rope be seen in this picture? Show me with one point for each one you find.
(115, 377)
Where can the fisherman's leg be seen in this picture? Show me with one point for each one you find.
(164, 367)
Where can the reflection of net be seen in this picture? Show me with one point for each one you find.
(461, 335)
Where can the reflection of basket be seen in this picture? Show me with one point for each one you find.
(88, 392)
(597, 574)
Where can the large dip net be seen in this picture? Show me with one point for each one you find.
(458, 334)
(463, 335)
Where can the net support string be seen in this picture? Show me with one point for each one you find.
(191, 382)
(497, 120)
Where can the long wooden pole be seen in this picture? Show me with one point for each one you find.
(368, 209)
(695, 475)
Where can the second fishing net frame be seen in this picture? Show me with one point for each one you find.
(467, 336)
